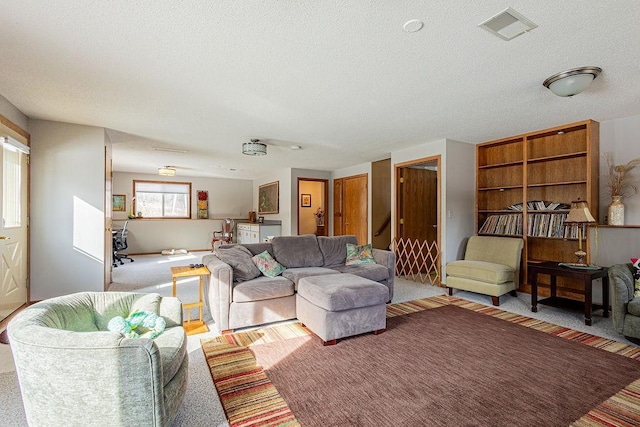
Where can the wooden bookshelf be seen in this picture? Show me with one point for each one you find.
(556, 165)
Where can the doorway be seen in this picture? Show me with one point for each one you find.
(418, 213)
(351, 207)
(313, 202)
(14, 228)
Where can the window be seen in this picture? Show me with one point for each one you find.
(156, 199)
(12, 183)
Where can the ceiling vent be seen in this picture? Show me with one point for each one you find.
(508, 24)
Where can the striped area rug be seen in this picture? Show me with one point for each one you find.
(250, 399)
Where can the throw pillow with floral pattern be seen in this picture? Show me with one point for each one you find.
(636, 276)
(267, 264)
(359, 254)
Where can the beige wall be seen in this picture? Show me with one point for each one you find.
(307, 219)
(228, 198)
(67, 208)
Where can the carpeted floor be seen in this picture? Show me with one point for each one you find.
(150, 273)
(439, 366)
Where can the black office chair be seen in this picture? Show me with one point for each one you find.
(119, 245)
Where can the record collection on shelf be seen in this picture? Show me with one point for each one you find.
(544, 223)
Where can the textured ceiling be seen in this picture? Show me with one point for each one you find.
(340, 78)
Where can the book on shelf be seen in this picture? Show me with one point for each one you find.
(541, 205)
(550, 225)
(507, 224)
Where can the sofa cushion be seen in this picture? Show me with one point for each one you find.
(375, 272)
(172, 344)
(262, 288)
(239, 258)
(267, 265)
(359, 254)
(334, 248)
(633, 307)
(479, 270)
(342, 292)
(297, 251)
(295, 274)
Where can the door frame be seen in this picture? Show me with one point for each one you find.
(398, 194)
(326, 201)
(15, 131)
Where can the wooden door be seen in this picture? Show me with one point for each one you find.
(14, 233)
(419, 204)
(381, 204)
(356, 207)
(338, 218)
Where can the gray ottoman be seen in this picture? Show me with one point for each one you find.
(341, 305)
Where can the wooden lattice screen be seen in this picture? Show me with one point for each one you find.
(417, 258)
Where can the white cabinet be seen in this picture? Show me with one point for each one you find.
(256, 233)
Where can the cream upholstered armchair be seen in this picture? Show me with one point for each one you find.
(491, 266)
(73, 370)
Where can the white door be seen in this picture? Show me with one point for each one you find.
(14, 241)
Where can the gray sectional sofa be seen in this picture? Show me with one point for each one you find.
(235, 303)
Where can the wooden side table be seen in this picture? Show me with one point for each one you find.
(191, 326)
(587, 276)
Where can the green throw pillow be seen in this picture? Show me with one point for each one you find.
(269, 266)
(359, 254)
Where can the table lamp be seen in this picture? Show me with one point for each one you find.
(579, 215)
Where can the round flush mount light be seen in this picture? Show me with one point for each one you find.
(254, 148)
(572, 82)
(413, 25)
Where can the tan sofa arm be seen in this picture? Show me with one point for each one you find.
(218, 290)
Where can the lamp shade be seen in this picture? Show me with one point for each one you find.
(572, 82)
(167, 171)
(579, 213)
(254, 148)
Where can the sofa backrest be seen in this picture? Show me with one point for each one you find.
(254, 248)
(334, 248)
(498, 250)
(297, 251)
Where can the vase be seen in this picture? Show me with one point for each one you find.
(616, 211)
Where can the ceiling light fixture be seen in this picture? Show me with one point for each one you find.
(572, 82)
(296, 147)
(254, 148)
(167, 171)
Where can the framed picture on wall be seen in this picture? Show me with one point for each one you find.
(305, 200)
(119, 203)
(268, 198)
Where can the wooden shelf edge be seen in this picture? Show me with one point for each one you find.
(501, 165)
(552, 184)
(504, 187)
(558, 157)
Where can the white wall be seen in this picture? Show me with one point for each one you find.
(285, 201)
(10, 111)
(67, 208)
(228, 198)
(459, 212)
(621, 137)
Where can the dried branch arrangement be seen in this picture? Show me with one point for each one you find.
(620, 181)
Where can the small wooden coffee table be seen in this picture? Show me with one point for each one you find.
(191, 326)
